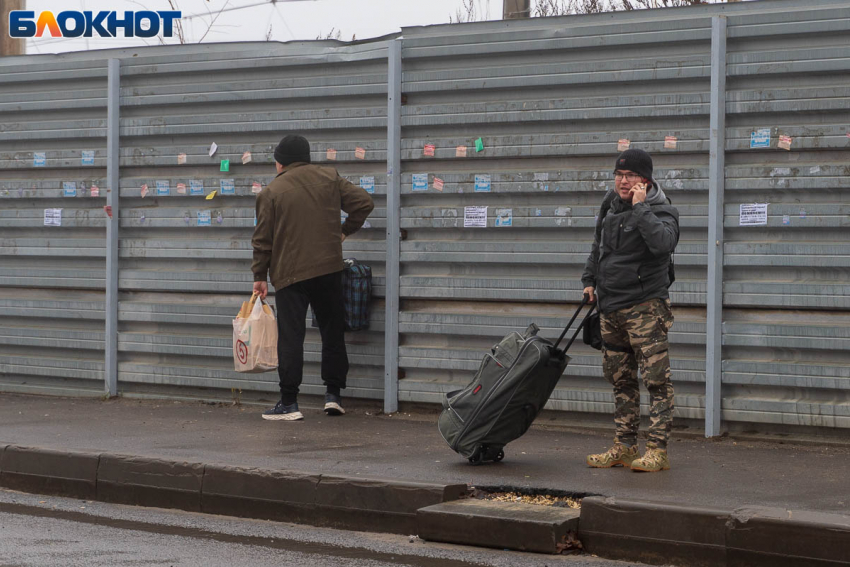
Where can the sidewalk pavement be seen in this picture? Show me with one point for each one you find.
(725, 473)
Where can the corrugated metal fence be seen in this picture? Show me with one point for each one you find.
(549, 100)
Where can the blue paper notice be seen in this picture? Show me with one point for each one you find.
(204, 218)
(70, 188)
(39, 159)
(88, 157)
(196, 187)
(482, 183)
(368, 184)
(227, 187)
(163, 188)
(420, 181)
(760, 138)
(504, 217)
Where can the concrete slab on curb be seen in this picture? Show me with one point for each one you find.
(503, 525)
(45, 471)
(142, 481)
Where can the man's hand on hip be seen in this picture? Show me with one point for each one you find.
(343, 237)
(261, 289)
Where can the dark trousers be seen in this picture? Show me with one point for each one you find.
(324, 293)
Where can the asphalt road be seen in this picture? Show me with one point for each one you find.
(42, 531)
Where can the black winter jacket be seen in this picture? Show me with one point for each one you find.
(630, 257)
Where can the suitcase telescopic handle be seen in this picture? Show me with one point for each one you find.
(584, 301)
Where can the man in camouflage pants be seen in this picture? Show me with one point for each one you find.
(629, 269)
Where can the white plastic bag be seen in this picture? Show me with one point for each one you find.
(255, 337)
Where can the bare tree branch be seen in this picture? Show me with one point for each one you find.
(212, 23)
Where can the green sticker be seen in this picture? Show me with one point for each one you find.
(225, 165)
(479, 145)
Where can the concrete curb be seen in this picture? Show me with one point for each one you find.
(649, 532)
(333, 501)
(661, 534)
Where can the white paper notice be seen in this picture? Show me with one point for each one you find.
(213, 149)
(52, 217)
(474, 217)
(753, 215)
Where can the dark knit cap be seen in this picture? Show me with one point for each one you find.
(291, 149)
(637, 161)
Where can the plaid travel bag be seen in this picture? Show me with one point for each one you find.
(357, 295)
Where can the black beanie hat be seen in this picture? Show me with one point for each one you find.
(637, 161)
(291, 149)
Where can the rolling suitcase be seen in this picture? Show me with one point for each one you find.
(512, 385)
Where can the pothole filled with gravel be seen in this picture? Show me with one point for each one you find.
(536, 496)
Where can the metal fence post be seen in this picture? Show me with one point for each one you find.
(716, 187)
(110, 370)
(393, 227)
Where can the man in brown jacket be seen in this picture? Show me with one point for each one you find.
(298, 245)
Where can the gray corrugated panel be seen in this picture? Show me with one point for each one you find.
(262, 153)
(787, 255)
(51, 367)
(54, 309)
(517, 289)
(498, 145)
(59, 277)
(550, 36)
(786, 375)
(518, 252)
(790, 335)
(497, 326)
(51, 339)
(71, 218)
(221, 346)
(223, 379)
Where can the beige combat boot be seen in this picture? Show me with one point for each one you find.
(653, 460)
(619, 454)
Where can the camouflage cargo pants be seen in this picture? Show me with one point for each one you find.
(636, 338)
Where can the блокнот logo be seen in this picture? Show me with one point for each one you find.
(23, 23)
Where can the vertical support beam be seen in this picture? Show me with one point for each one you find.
(393, 227)
(716, 188)
(112, 226)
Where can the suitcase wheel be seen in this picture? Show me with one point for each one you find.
(477, 457)
(485, 454)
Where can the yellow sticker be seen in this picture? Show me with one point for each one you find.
(211, 196)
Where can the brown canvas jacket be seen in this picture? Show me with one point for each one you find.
(298, 233)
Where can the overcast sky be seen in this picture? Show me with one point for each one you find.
(299, 19)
